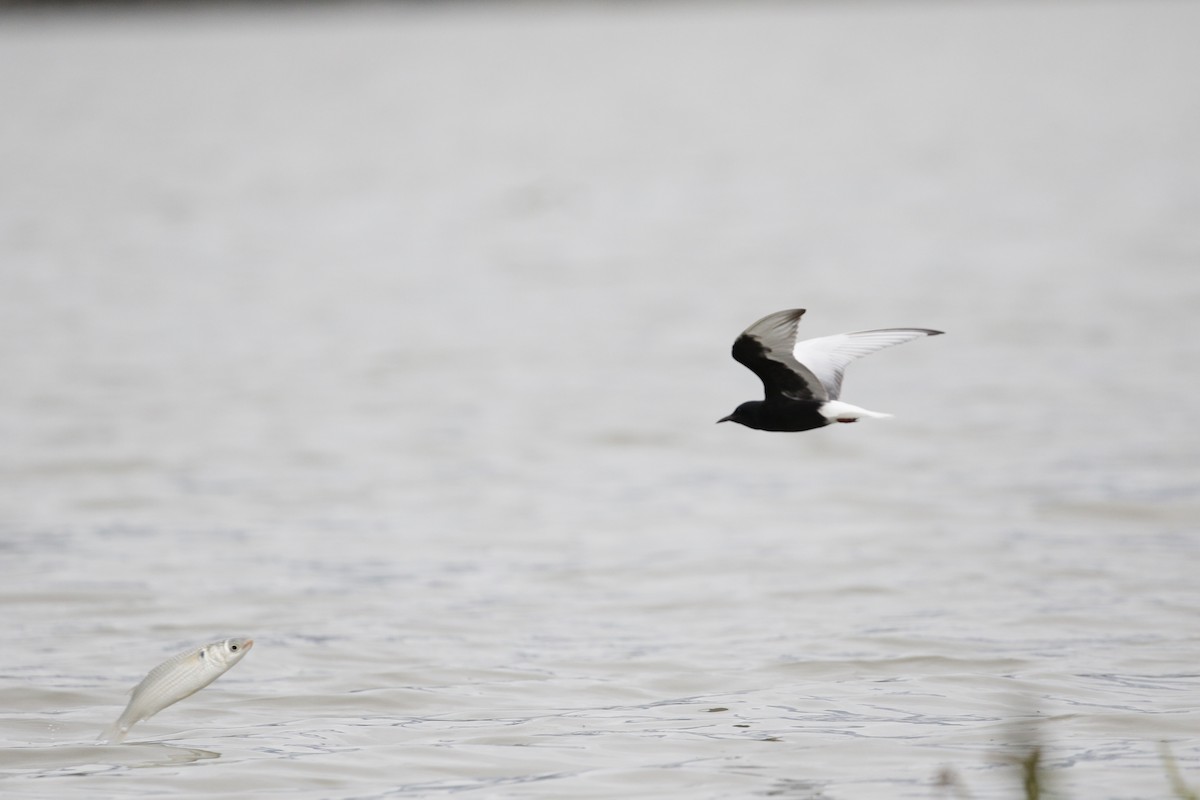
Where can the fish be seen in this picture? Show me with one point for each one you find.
(176, 678)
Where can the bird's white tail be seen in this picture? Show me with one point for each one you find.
(837, 411)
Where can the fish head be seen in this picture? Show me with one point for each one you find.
(229, 651)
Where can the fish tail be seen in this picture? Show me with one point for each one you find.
(115, 734)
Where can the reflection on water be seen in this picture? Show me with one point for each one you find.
(64, 760)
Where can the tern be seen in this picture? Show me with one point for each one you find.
(802, 380)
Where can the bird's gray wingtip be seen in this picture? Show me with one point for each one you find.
(792, 315)
(931, 332)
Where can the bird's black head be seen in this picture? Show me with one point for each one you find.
(746, 414)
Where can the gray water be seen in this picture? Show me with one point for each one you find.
(393, 337)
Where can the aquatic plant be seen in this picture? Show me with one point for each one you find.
(1035, 778)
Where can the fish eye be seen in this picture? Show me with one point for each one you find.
(233, 647)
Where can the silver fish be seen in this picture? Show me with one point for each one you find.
(176, 678)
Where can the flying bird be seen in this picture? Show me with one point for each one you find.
(802, 380)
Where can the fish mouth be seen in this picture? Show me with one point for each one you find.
(249, 643)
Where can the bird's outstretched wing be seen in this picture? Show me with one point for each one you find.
(766, 349)
(826, 357)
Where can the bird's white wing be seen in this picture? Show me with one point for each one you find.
(828, 356)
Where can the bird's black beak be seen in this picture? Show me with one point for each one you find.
(725, 419)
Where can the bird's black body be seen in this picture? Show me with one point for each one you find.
(790, 403)
(779, 414)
